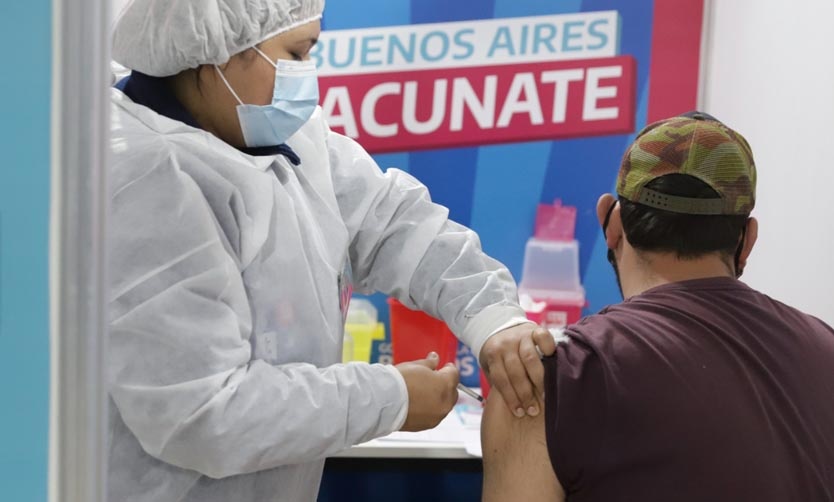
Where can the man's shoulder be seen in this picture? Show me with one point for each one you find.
(627, 333)
(676, 304)
(611, 318)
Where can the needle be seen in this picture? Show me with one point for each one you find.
(469, 392)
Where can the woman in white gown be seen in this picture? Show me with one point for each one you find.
(239, 225)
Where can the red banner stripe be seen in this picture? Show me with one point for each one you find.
(405, 111)
(676, 56)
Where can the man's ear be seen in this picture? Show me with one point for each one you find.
(750, 235)
(603, 205)
(614, 232)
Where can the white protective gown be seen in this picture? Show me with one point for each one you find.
(225, 320)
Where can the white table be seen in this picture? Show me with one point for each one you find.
(403, 449)
(428, 465)
(456, 437)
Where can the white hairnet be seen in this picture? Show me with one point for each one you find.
(165, 37)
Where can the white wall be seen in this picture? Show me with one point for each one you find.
(769, 73)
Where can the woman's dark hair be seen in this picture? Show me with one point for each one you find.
(686, 235)
(197, 73)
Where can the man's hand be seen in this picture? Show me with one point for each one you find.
(431, 394)
(514, 367)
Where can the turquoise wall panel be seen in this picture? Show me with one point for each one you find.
(25, 33)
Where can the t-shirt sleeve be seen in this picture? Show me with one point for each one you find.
(575, 411)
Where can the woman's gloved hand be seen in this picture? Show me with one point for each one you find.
(432, 393)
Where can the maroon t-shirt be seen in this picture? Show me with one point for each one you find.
(702, 390)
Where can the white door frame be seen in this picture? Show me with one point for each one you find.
(706, 35)
(78, 288)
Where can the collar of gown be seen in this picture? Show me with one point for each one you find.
(153, 92)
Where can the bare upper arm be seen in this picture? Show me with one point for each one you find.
(516, 463)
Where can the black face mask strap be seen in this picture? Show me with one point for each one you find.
(605, 229)
(611, 258)
(739, 249)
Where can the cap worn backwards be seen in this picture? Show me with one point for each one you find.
(694, 144)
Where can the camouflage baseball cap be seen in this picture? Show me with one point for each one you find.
(696, 144)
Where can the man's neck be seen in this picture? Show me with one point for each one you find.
(649, 270)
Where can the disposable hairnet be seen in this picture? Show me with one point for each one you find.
(165, 37)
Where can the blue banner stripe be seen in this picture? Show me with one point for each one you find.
(599, 281)
(450, 175)
(387, 160)
(438, 11)
(518, 8)
(374, 13)
(581, 169)
(636, 18)
(600, 284)
(635, 39)
(506, 190)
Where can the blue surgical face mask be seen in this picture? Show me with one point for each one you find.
(294, 99)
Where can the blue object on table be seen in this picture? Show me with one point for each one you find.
(401, 480)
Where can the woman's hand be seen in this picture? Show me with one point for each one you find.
(512, 362)
(432, 393)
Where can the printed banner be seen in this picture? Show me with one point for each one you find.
(476, 83)
(499, 105)
(483, 104)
